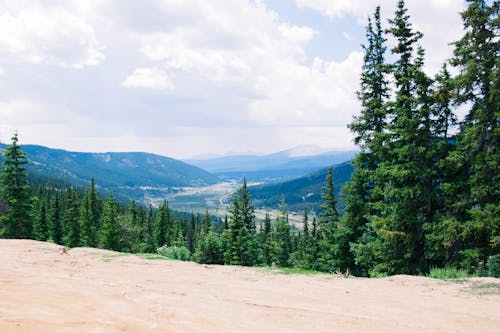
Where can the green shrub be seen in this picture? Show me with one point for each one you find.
(175, 252)
(493, 266)
(448, 273)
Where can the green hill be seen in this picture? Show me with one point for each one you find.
(303, 191)
(133, 175)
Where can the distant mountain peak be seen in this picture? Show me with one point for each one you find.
(305, 150)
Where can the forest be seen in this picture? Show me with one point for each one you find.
(424, 193)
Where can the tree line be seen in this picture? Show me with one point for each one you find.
(82, 217)
(424, 192)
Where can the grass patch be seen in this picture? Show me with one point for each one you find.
(483, 289)
(289, 270)
(109, 257)
(151, 256)
(447, 273)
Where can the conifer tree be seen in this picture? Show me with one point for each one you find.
(283, 247)
(71, 218)
(267, 241)
(405, 172)
(242, 247)
(41, 227)
(161, 225)
(476, 56)
(90, 215)
(15, 193)
(110, 231)
(363, 195)
(209, 248)
(56, 223)
(148, 232)
(327, 260)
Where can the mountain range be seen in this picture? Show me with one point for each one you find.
(293, 174)
(126, 174)
(282, 165)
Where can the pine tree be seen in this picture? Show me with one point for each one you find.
(242, 247)
(363, 195)
(283, 247)
(161, 225)
(476, 56)
(327, 260)
(56, 223)
(71, 219)
(41, 227)
(110, 231)
(15, 193)
(267, 241)
(90, 215)
(209, 248)
(405, 171)
(148, 231)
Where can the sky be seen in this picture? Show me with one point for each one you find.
(185, 78)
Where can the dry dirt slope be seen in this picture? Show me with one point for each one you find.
(89, 290)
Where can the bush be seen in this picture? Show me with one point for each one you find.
(493, 266)
(175, 252)
(448, 273)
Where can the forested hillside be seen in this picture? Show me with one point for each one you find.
(128, 175)
(302, 192)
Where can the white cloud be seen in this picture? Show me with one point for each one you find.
(51, 35)
(153, 78)
(320, 95)
(212, 76)
(438, 20)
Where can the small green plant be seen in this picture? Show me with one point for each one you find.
(175, 252)
(493, 266)
(444, 273)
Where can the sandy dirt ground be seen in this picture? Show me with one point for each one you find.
(89, 290)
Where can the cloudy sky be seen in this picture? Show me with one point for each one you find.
(192, 77)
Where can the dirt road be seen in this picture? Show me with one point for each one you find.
(89, 290)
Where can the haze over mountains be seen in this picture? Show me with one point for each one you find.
(285, 164)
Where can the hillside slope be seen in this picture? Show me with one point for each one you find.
(303, 191)
(90, 290)
(130, 174)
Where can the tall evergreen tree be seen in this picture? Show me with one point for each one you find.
(41, 227)
(242, 247)
(15, 193)
(327, 260)
(148, 231)
(56, 223)
(405, 171)
(90, 215)
(161, 225)
(110, 231)
(267, 241)
(363, 193)
(283, 247)
(477, 56)
(71, 219)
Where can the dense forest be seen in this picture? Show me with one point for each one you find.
(424, 192)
